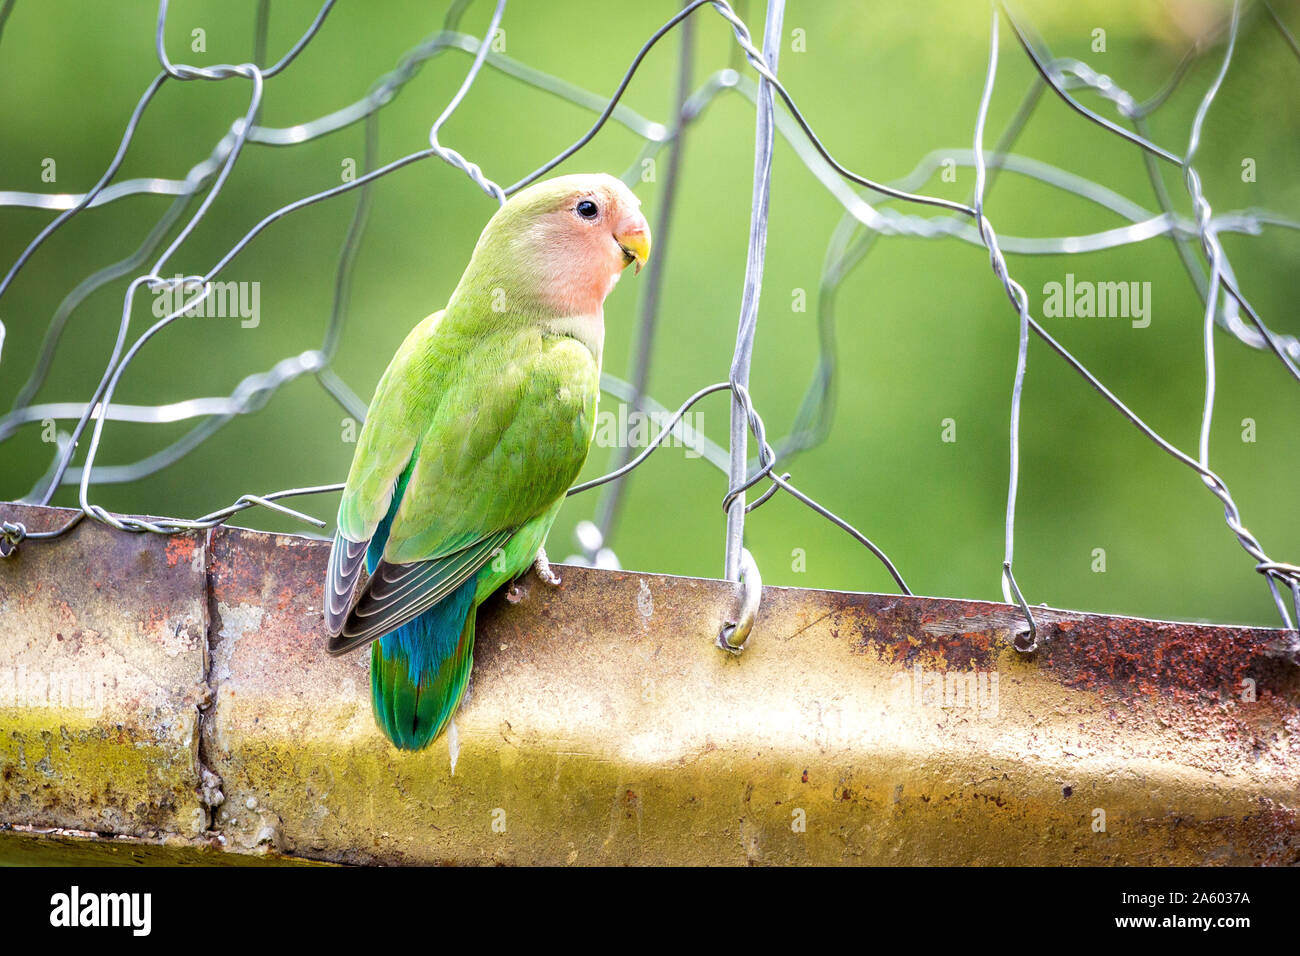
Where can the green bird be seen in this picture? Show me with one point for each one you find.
(478, 427)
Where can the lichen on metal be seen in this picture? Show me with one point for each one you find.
(604, 725)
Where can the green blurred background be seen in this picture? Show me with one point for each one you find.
(924, 330)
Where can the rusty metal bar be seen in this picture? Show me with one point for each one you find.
(171, 696)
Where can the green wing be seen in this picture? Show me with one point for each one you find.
(404, 400)
(505, 438)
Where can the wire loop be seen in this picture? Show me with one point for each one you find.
(734, 635)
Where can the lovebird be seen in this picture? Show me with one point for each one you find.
(480, 424)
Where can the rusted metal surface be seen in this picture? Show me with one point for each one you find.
(103, 638)
(604, 726)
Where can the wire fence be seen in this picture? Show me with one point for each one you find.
(869, 214)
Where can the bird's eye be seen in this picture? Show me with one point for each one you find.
(587, 209)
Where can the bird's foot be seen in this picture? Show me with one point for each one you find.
(515, 594)
(543, 569)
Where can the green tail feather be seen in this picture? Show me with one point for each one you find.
(415, 689)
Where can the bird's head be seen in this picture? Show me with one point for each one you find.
(561, 244)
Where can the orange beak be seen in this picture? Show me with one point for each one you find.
(634, 240)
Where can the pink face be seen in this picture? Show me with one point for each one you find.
(587, 242)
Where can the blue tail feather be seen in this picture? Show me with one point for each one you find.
(419, 672)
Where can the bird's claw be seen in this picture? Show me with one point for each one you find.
(515, 594)
(543, 569)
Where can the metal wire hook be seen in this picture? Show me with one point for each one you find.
(1018, 642)
(733, 634)
(11, 535)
